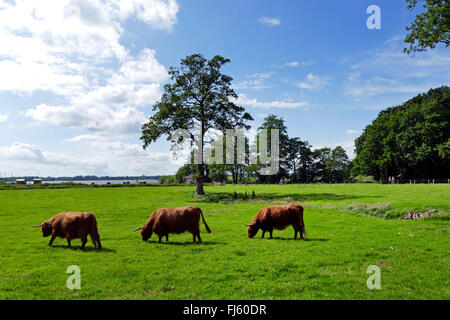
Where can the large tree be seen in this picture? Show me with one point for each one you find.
(299, 159)
(337, 165)
(274, 122)
(408, 141)
(429, 27)
(199, 98)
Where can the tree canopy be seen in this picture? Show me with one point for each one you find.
(430, 27)
(200, 98)
(408, 141)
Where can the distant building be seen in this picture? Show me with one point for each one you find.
(37, 181)
(21, 181)
(189, 179)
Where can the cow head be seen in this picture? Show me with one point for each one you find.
(252, 230)
(46, 228)
(146, 232)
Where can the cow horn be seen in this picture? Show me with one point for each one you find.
(136, 229)
(38, 226)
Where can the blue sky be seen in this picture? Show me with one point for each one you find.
(77, 78)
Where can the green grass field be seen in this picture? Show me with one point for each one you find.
(346, 235)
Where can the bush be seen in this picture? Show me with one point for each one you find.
(168, 180)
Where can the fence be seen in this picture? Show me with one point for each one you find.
(426, 181)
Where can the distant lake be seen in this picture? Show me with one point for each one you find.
(101, 182)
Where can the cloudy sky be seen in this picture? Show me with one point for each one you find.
(79, 77)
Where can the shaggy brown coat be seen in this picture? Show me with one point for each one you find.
(278, 217)
(72, 225)
(173, 220)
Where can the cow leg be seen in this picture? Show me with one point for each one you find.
(83, 241)
(263, 232)
(52, 239)
(295, 235)
(167, 237)
(270, 231)
(193, 237)
(198, 237)
(68, 241)
(96, 240)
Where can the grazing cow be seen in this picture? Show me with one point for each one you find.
(278, 217)
(72, 225)
(173, 220)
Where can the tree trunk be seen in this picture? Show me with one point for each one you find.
(199, 183)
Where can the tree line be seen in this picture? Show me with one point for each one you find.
(298, 163)
(410, 141)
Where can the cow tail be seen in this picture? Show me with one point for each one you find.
(302, 223)
(94, 231)
(204, 222)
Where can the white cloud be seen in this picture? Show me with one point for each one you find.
(243, 100)
(307, 63)
(112, 108)
(3, 117)
(379, 86)
(138, 161)
(292, 64)
(313, 82)
(351, 131)
(261, 115)
(273, 22)
(62, 46)
(393, 72)
(22, 158)
(256, 82)
(161, 14)
(353, 76)
(102, 157)
(144, 68)
(114, 121)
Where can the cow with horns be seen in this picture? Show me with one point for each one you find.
(173, 220)
(72, 225)
(278, 217)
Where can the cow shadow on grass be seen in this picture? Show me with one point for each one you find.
(216, 197)
(292, 239)
(187, 243)
(86, 249)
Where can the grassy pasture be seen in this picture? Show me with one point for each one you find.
(346, 235)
